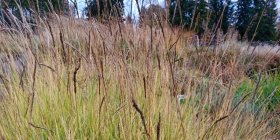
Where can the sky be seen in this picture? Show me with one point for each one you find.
(81, 5)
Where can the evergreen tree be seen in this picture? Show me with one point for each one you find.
(191, 13)
(244, 14)
(28, 8)
(220, 9)
(104, 8)
(265, 23)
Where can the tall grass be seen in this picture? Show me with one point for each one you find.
(79, 79)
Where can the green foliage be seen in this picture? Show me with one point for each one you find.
(220, 8)
(256, 19)
(244, 15)
(190, 13)
(268, 92)
(266, 30)
(104, 8)
(194, 14)
(41, 6)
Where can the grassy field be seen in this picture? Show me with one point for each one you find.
(80, 79)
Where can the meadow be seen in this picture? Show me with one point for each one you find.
(79, 79)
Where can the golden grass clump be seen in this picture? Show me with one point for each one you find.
(80, 79)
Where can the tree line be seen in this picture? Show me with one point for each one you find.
(253, 19)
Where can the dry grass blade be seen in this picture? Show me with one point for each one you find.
(75, 75)
(31, 99)
(135, 106)
(213, 125)
(49, 67)
(158, 127)
(39, 127)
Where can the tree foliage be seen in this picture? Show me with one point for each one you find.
(244, 14)
(40, 6)
(253, 19)
(221, 12)
(104, 8)
(190, 13)
(263, 28)
(200, 14)
(256, 19)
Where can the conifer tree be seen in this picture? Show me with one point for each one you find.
(190, 13)
(244, 16)
(40, 6)
(264, 27)
(104, 8)
(221, 12)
